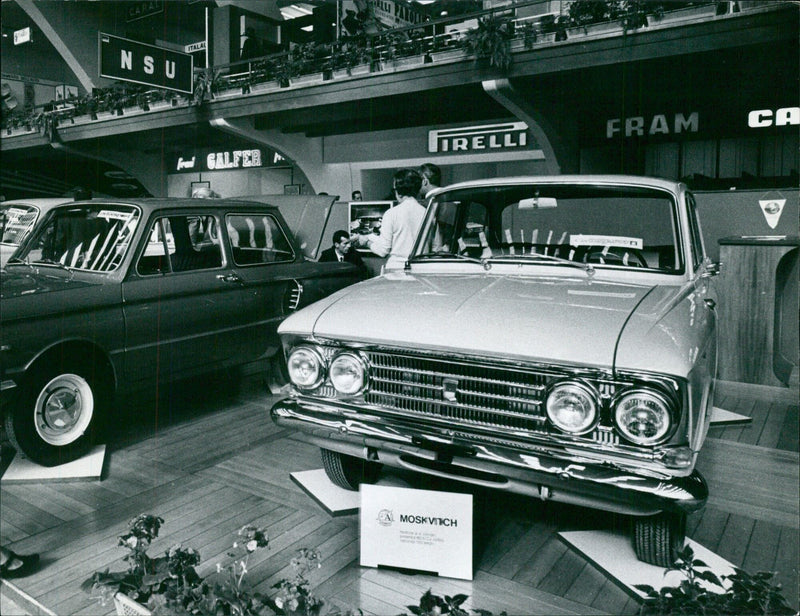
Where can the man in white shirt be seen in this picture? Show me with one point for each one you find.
(400, 224)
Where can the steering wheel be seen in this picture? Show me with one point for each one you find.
(615, 255)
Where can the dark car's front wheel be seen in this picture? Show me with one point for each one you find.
(347, 471)
(57, 414)
(657, 539)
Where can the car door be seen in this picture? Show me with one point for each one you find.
(703, 303)
(265, 260)
(181, 300)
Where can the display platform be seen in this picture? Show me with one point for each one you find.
(333, 499)
(613, 554)
(87, 468)
(722, 417)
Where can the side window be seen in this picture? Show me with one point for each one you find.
(694, 230)
(257, 238)
(181, 244)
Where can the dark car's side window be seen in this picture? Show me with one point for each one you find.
(181, 244)
(257, 238)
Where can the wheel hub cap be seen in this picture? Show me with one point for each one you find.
(64, 409)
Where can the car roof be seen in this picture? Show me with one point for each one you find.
(610, 180)
(40, 202)
(160, 203)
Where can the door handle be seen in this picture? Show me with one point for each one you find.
(231, 278)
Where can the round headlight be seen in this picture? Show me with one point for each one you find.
(347, 373)
(306, 368)
(572, 407)
(643, 416)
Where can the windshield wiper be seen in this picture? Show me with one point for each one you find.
(451, 255)
(586, 267)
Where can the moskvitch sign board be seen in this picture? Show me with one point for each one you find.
(137, 62)
(416, 530)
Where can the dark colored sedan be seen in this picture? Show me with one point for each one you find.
(108, 295)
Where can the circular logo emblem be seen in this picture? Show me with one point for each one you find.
(385, 517)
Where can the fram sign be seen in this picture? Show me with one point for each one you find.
(660, 124)
(479, 138)
(146, 64)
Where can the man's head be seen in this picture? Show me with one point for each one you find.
(341, 241)
(431, 176)
(356, 195)
(407, 183)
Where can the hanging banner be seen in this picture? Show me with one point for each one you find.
(128, 60)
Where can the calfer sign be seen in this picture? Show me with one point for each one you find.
(146, 64)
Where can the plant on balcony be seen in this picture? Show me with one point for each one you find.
(490, 43)
(284, 69)
(631, 14)
(206, 83)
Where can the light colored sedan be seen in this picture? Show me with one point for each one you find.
(17, 219)
(550, 336)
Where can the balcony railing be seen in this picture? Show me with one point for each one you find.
(498, 32)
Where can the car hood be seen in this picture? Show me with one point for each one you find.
(21, 281)
(554, 320)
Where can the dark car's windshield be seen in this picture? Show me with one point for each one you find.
(614, 226)
(86, 237)
(16, 221)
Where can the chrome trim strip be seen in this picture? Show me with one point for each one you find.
(6, 385)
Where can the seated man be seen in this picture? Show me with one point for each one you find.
(342, 250)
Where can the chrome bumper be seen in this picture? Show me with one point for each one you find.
(541, 474)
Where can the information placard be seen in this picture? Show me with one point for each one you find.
(419, 530)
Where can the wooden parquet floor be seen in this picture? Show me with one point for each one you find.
(206, 458)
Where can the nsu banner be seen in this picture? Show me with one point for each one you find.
(146, 64)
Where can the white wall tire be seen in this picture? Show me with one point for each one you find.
(57, 415)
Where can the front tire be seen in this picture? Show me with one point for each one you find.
(57, 415)
(658, 539)
(348, 472)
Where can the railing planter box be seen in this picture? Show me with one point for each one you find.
(408, 62)
(449, 55)
(360, 69)
(691, 13)
(606, 27)
(264, 85)
(304, 80)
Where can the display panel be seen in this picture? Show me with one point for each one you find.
(365, 217)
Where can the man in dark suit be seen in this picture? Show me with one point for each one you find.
(342, 250)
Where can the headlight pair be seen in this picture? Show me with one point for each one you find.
(347, 371)
(642, 416)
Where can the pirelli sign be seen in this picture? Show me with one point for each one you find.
(475, 139)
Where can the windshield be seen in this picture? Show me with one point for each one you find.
(17, 221)
(601, 226)
(85, 237)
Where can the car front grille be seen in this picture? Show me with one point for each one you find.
(459, 392)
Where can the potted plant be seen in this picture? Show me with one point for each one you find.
(490, 43)
(703, 592)
(169, 584)
(148, 581)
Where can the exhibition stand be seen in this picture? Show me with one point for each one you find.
(87, 468)
(613, 554)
